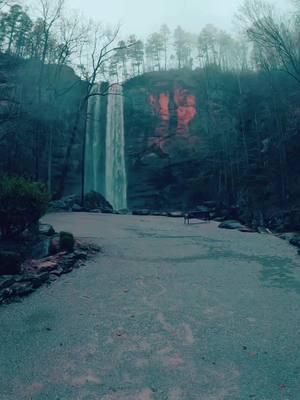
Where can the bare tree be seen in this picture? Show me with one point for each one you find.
(4, 3)
(272, 34)
(51, 12)
(72, 34)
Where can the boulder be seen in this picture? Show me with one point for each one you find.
(36, 280)
(65, 203)
(176, 214)
(141, 212)
(245, 229)
(123, 212)
(21, 288)
(6, 281)
(54, 246)
(95, 201)
(42, 249)
(231, 224)
(295, 241)
(46, 229)
(77, 208)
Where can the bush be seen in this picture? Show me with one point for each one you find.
(22, 204)
(10, 263)
(66, 242)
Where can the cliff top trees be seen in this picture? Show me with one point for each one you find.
(182, 45)
(165, 34)
(273, 35)
(154, 49)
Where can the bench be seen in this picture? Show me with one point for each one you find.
(203, 215)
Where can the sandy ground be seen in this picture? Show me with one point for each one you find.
(167, 312)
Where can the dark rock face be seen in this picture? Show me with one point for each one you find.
(162, 139)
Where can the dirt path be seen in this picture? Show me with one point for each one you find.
(168, 312)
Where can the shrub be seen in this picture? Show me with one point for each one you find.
(10, 263)
(22, 203)
(66, 241)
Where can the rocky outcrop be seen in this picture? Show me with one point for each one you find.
(93, 202)
(36, 273)
(162, 139)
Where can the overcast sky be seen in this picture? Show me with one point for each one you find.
(144, 16)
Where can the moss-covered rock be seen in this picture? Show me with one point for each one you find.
(66, 242)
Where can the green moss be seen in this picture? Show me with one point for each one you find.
(66, 242)
(22, 203)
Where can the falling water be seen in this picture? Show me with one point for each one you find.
(94, 146)
(115, 169)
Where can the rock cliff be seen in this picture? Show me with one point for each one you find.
(163, 138)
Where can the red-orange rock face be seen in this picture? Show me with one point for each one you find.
(186, 110)
(163, 137)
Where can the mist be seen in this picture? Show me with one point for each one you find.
(143, 17)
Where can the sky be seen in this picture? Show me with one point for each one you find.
(145, 16)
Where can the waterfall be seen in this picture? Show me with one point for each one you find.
(115, 168)
(94, 151)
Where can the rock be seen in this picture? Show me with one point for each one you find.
(219, 219)
(295, 241)
(22, 288)
(47, 265)
(58, 272)
(40, 279)
(5, 294)
(176, 214)
(46, 229)
(203, 209)
(6, 281)
(54, 246)
(142, 212)
(95, 248)
(262, 229)
(67, 264)
(77, 208)
(245, 229)
(39, 272)
(65, 203)
(66, 241)
(231, 224)
(80, 255)
(107, 211)
(286, 236)
(123, 212)
(95, 201)
(41, 249)
(156, 213)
